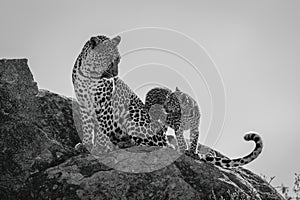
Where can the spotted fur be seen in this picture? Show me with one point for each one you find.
(180, 112)
(177, 110)
(229, 163)
(110, 110)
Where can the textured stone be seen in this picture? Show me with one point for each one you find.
(38, 160)
(36, 127)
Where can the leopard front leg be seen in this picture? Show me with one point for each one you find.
(180, 139)
(102, 105)
(194, 135)
(88, 129)
(102, 143)
(102, 140)
(93, 138)
(194, 120)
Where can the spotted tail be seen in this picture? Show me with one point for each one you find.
(228, 163)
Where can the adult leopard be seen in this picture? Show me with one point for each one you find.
(180, 112)
(109, 109)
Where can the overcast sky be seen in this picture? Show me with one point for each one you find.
(237, 57)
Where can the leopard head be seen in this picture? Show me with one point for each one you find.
(99, 57)
(186, 101)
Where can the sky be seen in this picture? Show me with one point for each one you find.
(239, 60)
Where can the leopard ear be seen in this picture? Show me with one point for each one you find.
(93, 42)
(116, 40)
(177, 89)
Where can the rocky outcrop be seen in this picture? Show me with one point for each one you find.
(36, 127)
(38, 160)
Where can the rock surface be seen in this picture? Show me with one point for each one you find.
(38, 160)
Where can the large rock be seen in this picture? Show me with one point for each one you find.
(36, 127)
(38, 160)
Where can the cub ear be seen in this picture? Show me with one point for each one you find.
(177, 89)
(93, 42)
(116, 40)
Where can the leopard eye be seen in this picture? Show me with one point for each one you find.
(93, 41)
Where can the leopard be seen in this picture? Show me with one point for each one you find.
(180, 111)
(110, 110)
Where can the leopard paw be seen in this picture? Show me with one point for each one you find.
(80, 148)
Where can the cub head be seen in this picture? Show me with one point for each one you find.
(186, 101)
(100, 57)
(181, 96)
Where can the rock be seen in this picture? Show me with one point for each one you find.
(84, 177)
(36, 127)
(38, 132)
